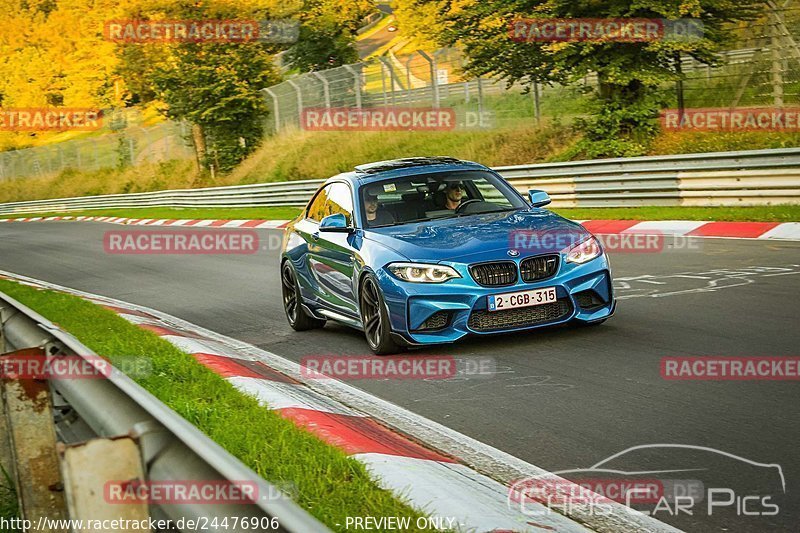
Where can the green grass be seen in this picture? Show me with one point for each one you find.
(233, 213)
(328, 483)
(9, 507)
(774, 213)
(300, 155)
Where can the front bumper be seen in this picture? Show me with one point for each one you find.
(584, 293)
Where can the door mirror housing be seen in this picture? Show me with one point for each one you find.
(335, 223)
(539, 198)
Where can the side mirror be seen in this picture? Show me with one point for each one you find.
(539, 198)
(334, 223)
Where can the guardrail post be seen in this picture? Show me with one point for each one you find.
(8, 471)
(90, 467)
(434, 81)
(29, 415)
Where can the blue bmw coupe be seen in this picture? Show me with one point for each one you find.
(427, 250)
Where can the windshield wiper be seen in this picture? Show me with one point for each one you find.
(401, 223)
(487, 212)
(499, 210)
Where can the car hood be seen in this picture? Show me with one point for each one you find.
(478, 238)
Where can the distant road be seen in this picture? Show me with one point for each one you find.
(376, 41)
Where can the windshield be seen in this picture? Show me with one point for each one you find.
(434, 196)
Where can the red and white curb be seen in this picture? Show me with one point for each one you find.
(688, 228)
(186, 222)
(434, 468)
(697, 228)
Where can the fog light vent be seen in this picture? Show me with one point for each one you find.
(589, 300)
(437, 320)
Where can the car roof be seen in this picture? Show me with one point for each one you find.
(409, 166)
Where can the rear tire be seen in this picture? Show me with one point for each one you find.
(375, 319)
(292, 303)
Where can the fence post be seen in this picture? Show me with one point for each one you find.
(383, 84)
(480, 102)
(325, 89)
(392, 78)
(775, 54)
(95, 155)
(356, 83)
(434, 82)
(537, 108)
(299, 93)
(408, 78)
(275, 108)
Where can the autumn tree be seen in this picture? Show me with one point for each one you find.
(630, 75)
(327, 33)
(213, 85)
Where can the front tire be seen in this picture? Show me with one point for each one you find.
(375, 319)
(292, 303)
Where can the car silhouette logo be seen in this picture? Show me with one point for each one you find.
(513, 253)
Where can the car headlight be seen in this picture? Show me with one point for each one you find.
(423, 273)
(584, 251)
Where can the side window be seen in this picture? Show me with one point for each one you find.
(317, 210)
(340, 201)
(335, 198)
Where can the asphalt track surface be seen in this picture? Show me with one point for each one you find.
(562, 399)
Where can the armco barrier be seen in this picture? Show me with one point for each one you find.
(756, 177)
(172, 448)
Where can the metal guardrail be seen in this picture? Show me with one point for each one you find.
(172, 448)
(753, 177)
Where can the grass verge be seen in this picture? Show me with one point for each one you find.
(767, 213)
(9, 507)
(771, 213)
(325, 481)
(238, 213)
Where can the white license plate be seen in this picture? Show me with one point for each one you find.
(512, 300)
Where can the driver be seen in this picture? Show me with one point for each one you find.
(375, 215)
(453, 195)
